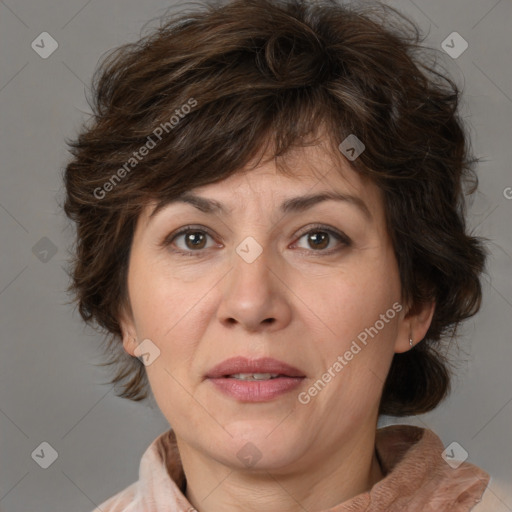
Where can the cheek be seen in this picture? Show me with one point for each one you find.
(159, 301)
(357, 315)
(354, 300)
(171, 313)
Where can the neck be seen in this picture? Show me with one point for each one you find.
(321, 482)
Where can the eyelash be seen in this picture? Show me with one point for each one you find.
(341, 237)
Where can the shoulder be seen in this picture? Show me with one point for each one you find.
(155, 485)
(123, 501)
(489, 501)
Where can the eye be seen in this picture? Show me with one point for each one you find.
(189, 239)
(320, 238)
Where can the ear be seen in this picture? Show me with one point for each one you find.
(128, 330)
(414, 325)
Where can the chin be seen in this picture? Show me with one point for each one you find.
(264, 444)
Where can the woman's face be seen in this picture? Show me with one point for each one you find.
(312, 284)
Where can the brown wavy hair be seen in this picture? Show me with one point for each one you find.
(267, 74)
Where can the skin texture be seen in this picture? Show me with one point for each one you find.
(296, 303)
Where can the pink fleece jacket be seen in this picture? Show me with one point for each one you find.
(417, 479)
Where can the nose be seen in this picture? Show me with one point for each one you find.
(254, 296)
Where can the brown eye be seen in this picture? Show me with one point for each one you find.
(319, 239)
(188, 241)
(195, 240)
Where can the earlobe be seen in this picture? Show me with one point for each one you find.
(415, 325)
(129, 344)
(128, 332)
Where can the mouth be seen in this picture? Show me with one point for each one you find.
(259, 369)
(255, 376)
(255, 380)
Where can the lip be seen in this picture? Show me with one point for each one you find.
(262, 365)
(254, 391)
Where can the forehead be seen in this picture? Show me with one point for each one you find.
(309, 171)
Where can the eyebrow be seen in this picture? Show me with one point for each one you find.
(294, 204)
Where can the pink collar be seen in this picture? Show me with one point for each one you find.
(417, 478)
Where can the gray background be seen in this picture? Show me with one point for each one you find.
(50, 390)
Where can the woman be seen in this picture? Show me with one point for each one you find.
(269, 204)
